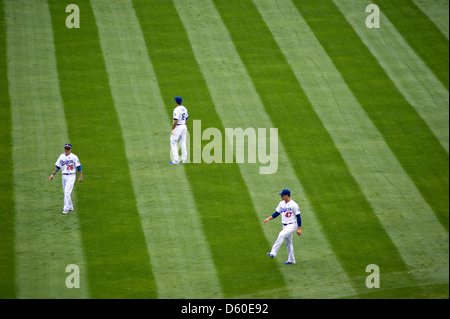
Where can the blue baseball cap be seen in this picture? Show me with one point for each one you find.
(285, 192)
(67, 145)
(178, 99)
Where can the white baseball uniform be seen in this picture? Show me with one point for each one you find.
(68, 165)
(288, 212)
(180, 113)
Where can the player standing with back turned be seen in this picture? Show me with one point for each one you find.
(178, 132)
(292, 222)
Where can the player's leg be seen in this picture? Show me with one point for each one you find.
(68, 187)
(183, 144)
(281, 236)
(290, 248)
(173, 145)
(63, 179)
(276, 246)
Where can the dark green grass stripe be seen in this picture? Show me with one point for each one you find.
(7, 283)
(116, 253)
(407, 135)
(351, 226)
(420, 33)
(229, 221)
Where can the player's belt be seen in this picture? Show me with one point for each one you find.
(180, 124)
(68, 173)
(287, 224)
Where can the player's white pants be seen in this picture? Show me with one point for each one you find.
(68, 182)
(179, 134)
(286, 236)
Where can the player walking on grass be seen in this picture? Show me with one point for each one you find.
(178, 132)
(292, 222)
(68, 163)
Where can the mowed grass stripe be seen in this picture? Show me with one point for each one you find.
(410, 74)
(239, 105)
(116, 252)
(420, 32)
(405, 132)
(179, 251)
(395, 199)
(233, 232)
(437, 11)
(45, 241)
(7, 257)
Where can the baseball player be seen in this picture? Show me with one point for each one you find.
(178, 132)
(292, 222)
(69, 164)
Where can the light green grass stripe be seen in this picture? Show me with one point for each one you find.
(409, 73)
(407, 218)
(238, 105)
(179, 252)
(46, 241)
(437, 11)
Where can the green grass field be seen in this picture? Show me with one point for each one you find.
(363, 144)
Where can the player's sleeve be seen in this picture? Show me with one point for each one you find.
(175, 115)
(298, 215)
(278, 209)
(57, 164)
(77, 163)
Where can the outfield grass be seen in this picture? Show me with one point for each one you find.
(7, 258)
(430, 44)
(362, 119)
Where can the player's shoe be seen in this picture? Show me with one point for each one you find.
(270, 255)
(65, 212)
(174, 163)
(289, 263)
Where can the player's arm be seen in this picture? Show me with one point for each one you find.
(175, 122)
(80, 174)
(54, 172)
(274, 215)
(299, 224)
